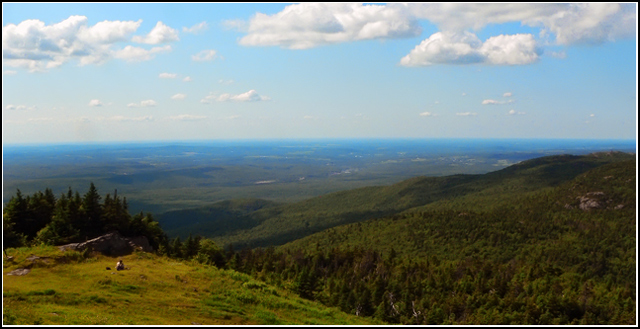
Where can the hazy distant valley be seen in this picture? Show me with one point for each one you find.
(159, 177)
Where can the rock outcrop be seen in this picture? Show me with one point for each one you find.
(591, 201)
(112, 244)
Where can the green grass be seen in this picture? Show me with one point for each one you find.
(67, 289)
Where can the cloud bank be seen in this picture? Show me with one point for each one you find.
(35, 46)
(309, 25)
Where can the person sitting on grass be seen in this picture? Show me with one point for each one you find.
(120, 266)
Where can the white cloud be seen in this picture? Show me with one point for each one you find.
(249, 96)
(187, 117)
(178, 96)
(514, 112)
(570, 23)
(19, 107)
(167, 75)
(9, 72)
(495, 102)
(209, 98)
(310, 117)
(186, 79)
(95, 102)
(196, 28)
(590, 23)
(33, 45)
(592, 115)
(308, 25)
(225, 82)
(121, 118)
(137, 54)
(466, 48)
(149, 102)
(161, 33)
(427, 114)
(466, 114)
(507, 95)
(146, 103)
(205, 55)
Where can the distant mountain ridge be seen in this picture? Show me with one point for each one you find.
(255, 223)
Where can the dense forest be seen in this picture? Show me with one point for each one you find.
(555, 246)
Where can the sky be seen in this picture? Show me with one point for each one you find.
(97, 72)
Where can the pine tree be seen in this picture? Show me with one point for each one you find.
(92, 210)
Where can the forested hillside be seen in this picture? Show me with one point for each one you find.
(547, 241)
(563, 255)
(276, 225)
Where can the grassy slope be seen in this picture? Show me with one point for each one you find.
(65, 289)
(279, 225)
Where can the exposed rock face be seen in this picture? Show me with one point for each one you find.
(590, 201)
(112, 244)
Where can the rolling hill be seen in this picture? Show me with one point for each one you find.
(272, 224)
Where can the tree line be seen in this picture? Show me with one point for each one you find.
(579, 269)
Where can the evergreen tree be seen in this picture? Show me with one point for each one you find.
(10, 238)
(92, 211)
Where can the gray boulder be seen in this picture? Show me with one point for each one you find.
(112, 244)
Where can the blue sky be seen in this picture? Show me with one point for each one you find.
(142, 72)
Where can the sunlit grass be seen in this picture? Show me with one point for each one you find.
(68, 289)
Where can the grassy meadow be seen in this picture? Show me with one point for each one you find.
(69, 288)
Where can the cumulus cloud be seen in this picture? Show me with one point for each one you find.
(33, 45)
(427, 114)
(137, 54)
(146, 103)
(495, 102)
(187, 117)
(249, 96)
(466, 48)
(205, 55)
(308, 25)
(466, 114)
(570, 23)
(514, 112)
(178, 96)
(167, 75)
(507, 94)
(161, 33)
(186, 79)
(196, 28)
(95, 102)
